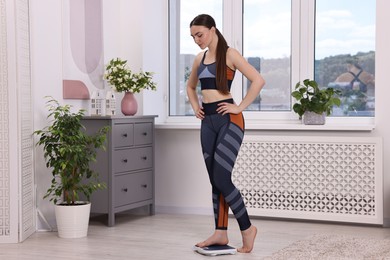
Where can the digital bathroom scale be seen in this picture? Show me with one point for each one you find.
(215, 250)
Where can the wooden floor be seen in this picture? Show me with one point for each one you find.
(170, 237)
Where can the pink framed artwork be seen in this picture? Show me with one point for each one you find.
(83, 64)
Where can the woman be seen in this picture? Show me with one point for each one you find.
(222, 127)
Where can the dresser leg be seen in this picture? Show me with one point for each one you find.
(111, 219)
(152, 209)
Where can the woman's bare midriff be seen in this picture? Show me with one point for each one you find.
(212, 95)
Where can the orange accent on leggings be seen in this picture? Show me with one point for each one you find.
(237, 119)
(223, 213)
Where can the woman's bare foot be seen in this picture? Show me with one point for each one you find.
(218, 238)
(248, 239)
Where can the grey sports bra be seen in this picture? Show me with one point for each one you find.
(207, 72)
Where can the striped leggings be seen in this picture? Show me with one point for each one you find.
(221, 138)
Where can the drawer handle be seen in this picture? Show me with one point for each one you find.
(145, 133)
(144, 185)
(124, 189)
(144, 158)
(124, 135)
(124, 160)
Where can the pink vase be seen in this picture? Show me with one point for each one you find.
(129, 104)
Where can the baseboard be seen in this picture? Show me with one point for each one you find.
(386, 222)
(209, 211)
(184, 210)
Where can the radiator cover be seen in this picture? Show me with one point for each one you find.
(319, 178)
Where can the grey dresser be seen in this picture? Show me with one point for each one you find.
(127, 165)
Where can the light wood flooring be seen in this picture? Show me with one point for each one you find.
(171, 237)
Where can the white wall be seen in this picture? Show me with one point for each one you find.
(181, 180)
(46, 62)
(46, 55)
(382, 58)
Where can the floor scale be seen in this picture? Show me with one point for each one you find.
(215, 250)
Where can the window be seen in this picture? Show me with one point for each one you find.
(267, 46)
(345, 53)
(287, 41)
(183, 49)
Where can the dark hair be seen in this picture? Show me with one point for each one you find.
(221, 77)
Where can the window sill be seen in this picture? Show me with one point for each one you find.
(278, 126)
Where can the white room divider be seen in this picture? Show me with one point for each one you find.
(17, 210)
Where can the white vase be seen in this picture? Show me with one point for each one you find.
(73, 220)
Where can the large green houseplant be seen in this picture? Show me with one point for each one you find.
(314, 100)
(68, 151)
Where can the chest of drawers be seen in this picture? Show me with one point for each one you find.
(126, 166)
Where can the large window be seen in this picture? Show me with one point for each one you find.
(286, 41)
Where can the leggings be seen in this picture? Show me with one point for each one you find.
(221, 138)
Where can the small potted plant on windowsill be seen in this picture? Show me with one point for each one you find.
(313, 103)
(68, 151)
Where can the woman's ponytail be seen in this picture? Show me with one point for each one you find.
(221, 76)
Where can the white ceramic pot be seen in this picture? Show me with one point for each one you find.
(311, 118)
(73, 221)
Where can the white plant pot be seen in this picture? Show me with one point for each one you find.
(311, 118)
(72, 221)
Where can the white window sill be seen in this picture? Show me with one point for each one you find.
(278, 126)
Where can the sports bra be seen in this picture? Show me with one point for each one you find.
(207, 72)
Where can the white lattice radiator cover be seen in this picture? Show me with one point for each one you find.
(319, 178)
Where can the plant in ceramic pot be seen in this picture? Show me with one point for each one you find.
(122, 79)
(314, 103)
(68, 151)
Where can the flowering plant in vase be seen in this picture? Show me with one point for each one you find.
(122, 79)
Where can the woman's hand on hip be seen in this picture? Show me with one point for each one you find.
(228, 108)
(199, 113)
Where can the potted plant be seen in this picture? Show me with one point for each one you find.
(122, 79)
(68, 151)
(313, 103)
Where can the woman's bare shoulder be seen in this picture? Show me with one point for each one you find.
(234, 58)
(199, 56)
(233, 55)
(232, 51)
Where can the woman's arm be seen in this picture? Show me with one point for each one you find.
(257, 82)
(191, 88)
